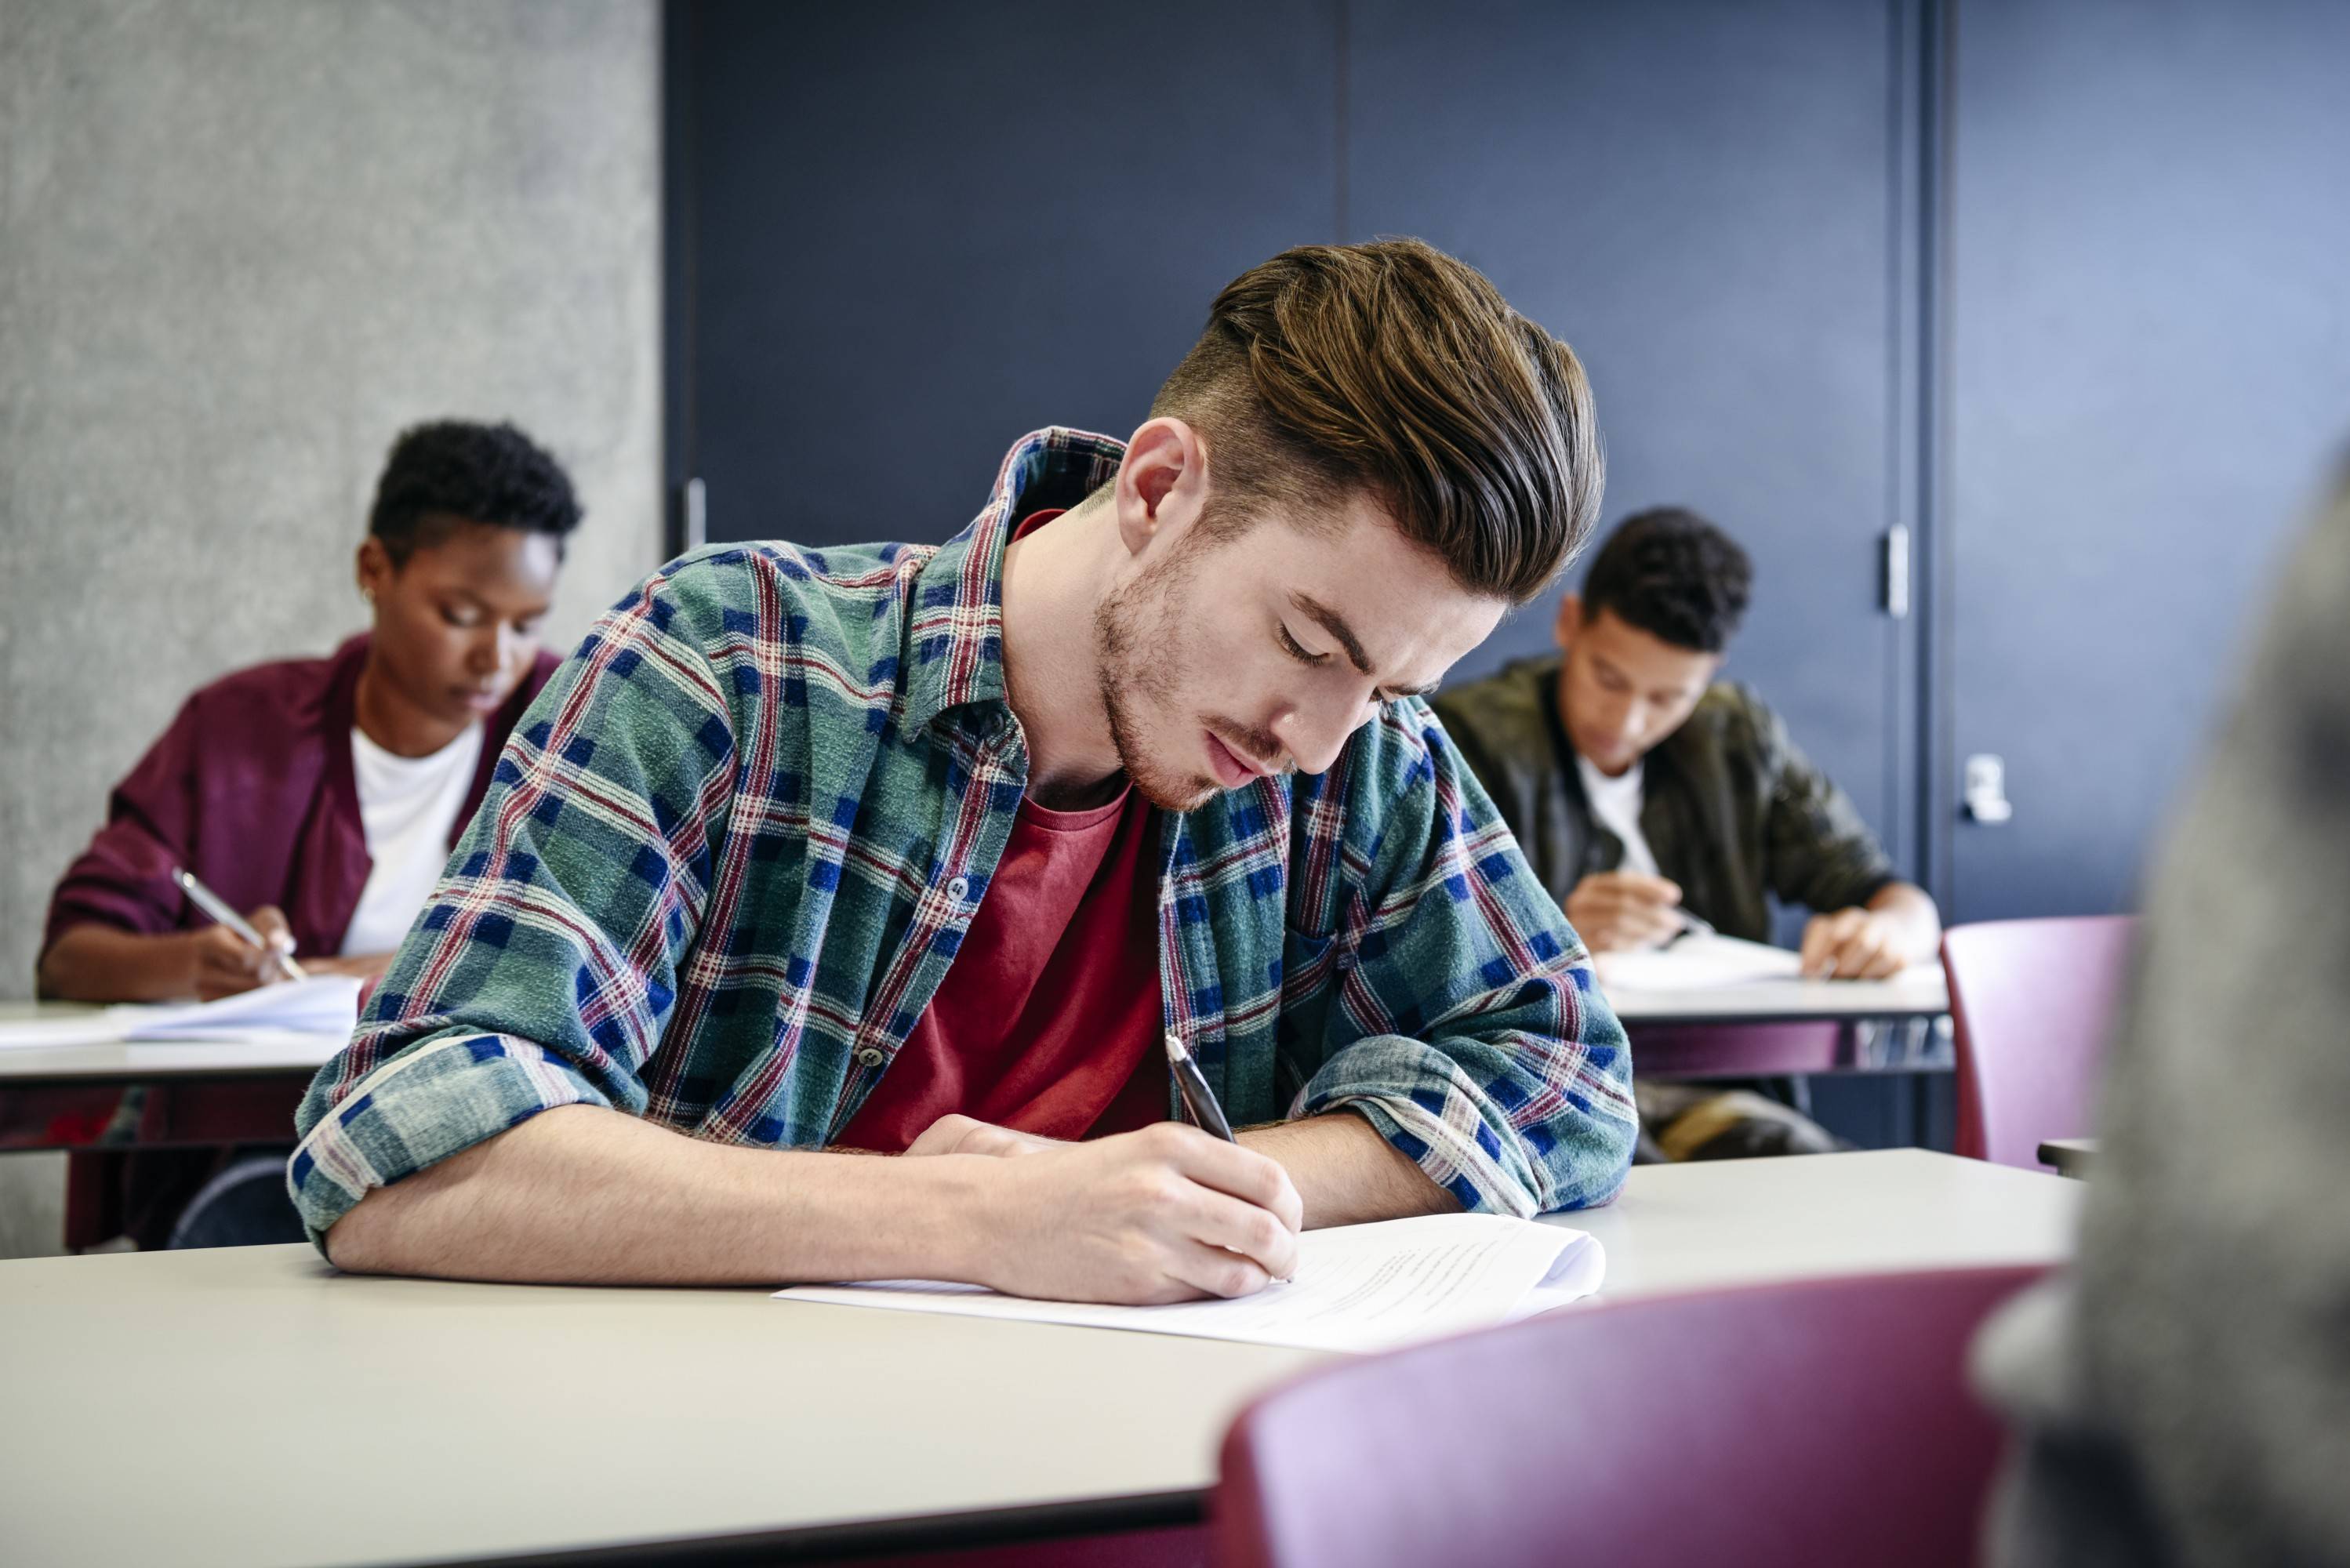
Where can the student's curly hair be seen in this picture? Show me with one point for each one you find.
(450, 472)
(1673, 575)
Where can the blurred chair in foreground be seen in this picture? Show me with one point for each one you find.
(2032, 1001)
(1826, 1421)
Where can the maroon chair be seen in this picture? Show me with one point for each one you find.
(1821, 1422)
(2032, 1000)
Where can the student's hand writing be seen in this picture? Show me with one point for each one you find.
(1613, 910)
(1165, 1214)
(225, 963)
(955, 1133)
(1852, 944)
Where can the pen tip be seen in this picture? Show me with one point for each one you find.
(1175, 1052)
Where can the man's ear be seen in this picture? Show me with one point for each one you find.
(1570, 618)
(1162, 484)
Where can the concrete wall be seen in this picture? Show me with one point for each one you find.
(241, 244)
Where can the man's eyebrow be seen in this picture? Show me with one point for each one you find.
(1334, 623)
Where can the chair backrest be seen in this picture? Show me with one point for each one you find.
(1821, 1422)
(2032, 1000)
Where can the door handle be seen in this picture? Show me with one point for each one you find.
(1986, 789)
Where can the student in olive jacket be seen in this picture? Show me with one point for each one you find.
(1645, 790)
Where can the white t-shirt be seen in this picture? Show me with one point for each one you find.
(407, 806)
(1616, 806)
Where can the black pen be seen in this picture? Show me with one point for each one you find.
(1197, 1097)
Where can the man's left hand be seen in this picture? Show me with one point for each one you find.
(955, 1133)
(1852, 944)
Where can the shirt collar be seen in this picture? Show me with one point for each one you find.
(954, 638)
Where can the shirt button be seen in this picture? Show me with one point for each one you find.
(959, 889)
(870, 1057)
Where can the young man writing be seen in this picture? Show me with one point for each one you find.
(1644, 790)
(899, 849)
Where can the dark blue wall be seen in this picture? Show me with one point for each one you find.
(919, 231)
(2058, 286)
(2148, 330)
(1705, 199)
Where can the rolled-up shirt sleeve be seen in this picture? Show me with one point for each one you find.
(1466, 1025)
(544, 970)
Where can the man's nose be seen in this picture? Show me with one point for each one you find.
(1626, 724)
(1313, 738)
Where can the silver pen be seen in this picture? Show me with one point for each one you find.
(1691, 925)
(212, 904)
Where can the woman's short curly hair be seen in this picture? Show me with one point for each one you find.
(447, 472)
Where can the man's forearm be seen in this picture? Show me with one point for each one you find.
(1913, 911)
(1346, 1173)
(583, 1195)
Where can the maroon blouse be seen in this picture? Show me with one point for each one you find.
(253, 789)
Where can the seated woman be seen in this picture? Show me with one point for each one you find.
(322, 795)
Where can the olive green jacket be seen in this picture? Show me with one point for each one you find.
(1733, 811)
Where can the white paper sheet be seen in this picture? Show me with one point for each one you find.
(1696, 962)
(322, 1005)
(1357, 1288)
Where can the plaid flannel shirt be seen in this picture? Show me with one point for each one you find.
(729, 854)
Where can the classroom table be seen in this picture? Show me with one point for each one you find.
(251, 1406)
(1788, 1027)
(1920, 992)
(113, 1097)
(197, 1092)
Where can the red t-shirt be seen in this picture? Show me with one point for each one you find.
(1048, 1020)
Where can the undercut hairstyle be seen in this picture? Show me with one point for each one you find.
(1673, 575)
(1393, 369)
(441, 475)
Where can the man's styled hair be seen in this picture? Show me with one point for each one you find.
(453, 471)
(1673, 575)
(1393, 368)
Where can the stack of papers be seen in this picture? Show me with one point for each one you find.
(1357, 1288)
(1696, 961)
(322, 1005)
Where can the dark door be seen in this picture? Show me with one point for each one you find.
(902, 235)
(1710, 202)
(2150, 360)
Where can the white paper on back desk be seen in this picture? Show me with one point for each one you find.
(1357, 1288)
(1696, 961)
(321, 1004)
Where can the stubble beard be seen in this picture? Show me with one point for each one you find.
(1135, 643)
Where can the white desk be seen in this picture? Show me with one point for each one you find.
(195, 1092)
(1728, 1222)
(266, 1052)
(1917, 992)
(262, 1409)
(151, 1061)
